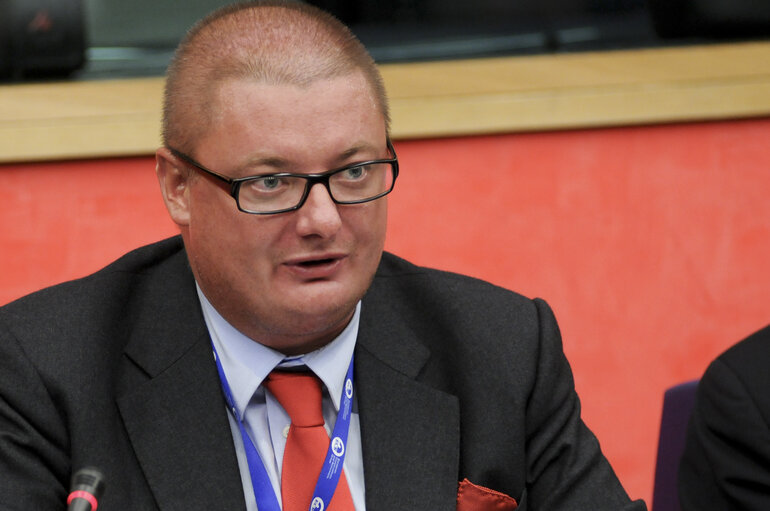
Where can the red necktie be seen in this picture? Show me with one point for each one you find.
(307, 443)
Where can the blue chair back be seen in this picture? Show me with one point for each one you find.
(678, 402)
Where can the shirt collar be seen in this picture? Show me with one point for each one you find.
(247, 363)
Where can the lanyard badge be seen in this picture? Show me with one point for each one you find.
(335, 455)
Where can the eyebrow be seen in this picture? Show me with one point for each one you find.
(278, 163)
(266, 161)
(357, 149)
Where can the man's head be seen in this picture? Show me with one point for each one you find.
(269, 88)
(271, 41)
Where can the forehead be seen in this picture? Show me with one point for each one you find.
(309, 93)
(344, 105)
(284, 118)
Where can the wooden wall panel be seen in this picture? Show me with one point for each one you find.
(449, 98)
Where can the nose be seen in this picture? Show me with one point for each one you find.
(318, 216)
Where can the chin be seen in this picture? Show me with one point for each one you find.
(322, 313)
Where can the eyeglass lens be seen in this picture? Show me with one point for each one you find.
(353, 184)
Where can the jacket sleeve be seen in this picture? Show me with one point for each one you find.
(565, 466)
(726, 462)
(34, 462)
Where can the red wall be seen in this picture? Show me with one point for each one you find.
(651, 244)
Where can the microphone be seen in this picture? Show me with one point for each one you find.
(87, 488)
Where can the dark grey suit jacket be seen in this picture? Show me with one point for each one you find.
(456, 378)
(726, 461)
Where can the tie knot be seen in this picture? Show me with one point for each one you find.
(300, 395)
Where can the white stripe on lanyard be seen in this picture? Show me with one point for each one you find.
(335, 455)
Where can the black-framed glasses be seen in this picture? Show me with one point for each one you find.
(268, 194)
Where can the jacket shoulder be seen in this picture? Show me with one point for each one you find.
(747, 361)
(401, 274)
(103, 305)
(753, 349)
(447, 309)
(139, 261)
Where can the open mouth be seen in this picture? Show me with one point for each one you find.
(316, 262)
(323, 266)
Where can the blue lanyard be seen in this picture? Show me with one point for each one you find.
(335, 455)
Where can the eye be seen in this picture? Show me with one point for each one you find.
(268, 184)
(354, 173)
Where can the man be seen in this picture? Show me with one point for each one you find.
(726, 462)
(275, 164)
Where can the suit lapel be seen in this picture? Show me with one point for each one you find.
(410, 431)
(174, 413)
(171, 402)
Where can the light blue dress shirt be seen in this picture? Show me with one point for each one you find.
(247, 363)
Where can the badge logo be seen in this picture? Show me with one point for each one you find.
(349, 388)
(317, 504)
(338, 446)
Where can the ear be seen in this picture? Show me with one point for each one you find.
(174, 182)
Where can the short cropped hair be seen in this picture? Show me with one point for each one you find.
(269, 41)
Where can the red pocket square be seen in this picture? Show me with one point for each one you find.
(471, 497)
